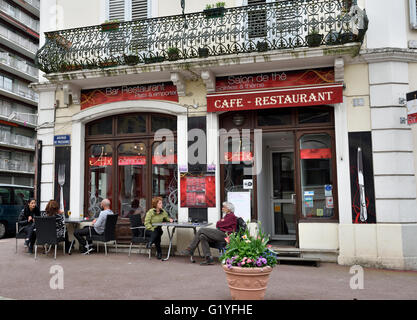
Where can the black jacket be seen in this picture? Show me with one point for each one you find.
(24, 216)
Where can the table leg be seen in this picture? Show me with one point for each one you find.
(170, 242)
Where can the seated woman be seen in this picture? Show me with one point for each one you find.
(155, 215)
(26, 225)
(52, 210)
(227, 224)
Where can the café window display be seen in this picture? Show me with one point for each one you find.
(126, 165)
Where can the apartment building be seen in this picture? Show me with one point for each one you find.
(19, 42)
(300, 105)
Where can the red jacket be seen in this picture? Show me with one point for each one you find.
(228, 223)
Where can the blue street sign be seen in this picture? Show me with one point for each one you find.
(62, 140)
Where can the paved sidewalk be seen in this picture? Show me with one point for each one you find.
(117, 276)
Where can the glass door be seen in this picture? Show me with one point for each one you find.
(132, 172)
(283, 197)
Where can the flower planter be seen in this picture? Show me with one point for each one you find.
(214, 12)
(314, 40)
(332, 38)
(69, 67)
(131, 60)
(262, 46)
(203, 52)
(347, 37)
(154, 59)
(107, 64)
(173, 56)
(111, 26)
(247, 283)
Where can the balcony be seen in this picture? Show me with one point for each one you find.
(17, 90)
(16, 166)
(17, 141)
(32, 6)
(18, 15)
(16, 42)
(18, 67)
(232, 31)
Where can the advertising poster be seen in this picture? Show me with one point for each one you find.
(361, 177)
(198, 191)
(62, 177)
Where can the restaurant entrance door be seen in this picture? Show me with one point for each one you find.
(282, 188)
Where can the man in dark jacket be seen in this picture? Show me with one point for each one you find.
(224, 226)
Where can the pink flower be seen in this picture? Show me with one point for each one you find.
(243, 263)
(249, 261)
(269, 246)
(227, 239)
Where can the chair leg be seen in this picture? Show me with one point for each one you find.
(115, 243)
(55, 252)
(36, 250)
(64, 248)
(16, 245)
(130, 249)
(105, 247)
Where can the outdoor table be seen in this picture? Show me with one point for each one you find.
(75, 222)
(175, 225)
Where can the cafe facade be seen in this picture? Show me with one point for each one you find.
(296, 138)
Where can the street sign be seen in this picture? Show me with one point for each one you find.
(62, 140)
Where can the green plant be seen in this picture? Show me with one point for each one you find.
(246, 251)
(314, 31)
(173, 51)
(220, 4)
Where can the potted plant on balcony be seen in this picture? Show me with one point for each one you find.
(131, 59)
(112, 25)
(248, 262)
(215, 11)
(173, 53)
(154, 59)
(107, 63)
(262, 46)
(314, 38)
(203, 52)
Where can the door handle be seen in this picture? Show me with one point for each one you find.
(293, 197)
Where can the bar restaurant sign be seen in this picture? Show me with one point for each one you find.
(158, 91)
(275, 90)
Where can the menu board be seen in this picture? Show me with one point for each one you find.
(198, 191)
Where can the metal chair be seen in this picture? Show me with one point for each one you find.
(138, 232)
(19, 235)
(46, 233)
(109, 234)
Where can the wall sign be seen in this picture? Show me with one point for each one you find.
(275, 98)
(275, 80)
(62, 140)
(157, 91)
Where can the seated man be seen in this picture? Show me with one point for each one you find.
(97, 228)
(227, 224)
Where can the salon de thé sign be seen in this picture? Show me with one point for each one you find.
(275, 90)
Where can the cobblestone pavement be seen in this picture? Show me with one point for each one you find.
(117, 276)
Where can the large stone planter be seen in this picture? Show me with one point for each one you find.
(247, 283)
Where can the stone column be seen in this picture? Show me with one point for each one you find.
(45, 133)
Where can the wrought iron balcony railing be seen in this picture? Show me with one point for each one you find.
(270, 26)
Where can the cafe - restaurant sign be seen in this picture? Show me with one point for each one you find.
(275, 90)
(157, 91)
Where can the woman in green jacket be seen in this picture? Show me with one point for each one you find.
(156, 215)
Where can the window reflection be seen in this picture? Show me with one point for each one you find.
(131, 168)
(164, 175)
(100, 163)
(316, 175)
